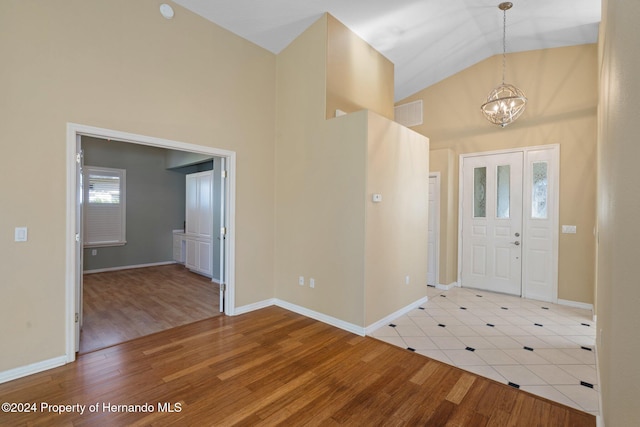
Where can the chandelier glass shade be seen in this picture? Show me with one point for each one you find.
(506, 102)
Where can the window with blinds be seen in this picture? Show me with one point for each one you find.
(104, 206)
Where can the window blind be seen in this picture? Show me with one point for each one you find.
(104, 206)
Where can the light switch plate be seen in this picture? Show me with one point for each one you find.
(21, 234)
(569, 229)
(377, 198)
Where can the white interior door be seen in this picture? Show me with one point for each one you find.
(492, 223)
(223, 232)
(79, 249)
(433, 232)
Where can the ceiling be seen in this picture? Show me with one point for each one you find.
(427, 40)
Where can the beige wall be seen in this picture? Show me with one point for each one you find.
(320, 180)
(119, 65)
(561, 85)
(618, 286)
(396, 228)
(326, 226)
(358, 76)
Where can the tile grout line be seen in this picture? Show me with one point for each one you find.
(471, 313)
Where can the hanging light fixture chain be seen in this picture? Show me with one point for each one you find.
(504, 43)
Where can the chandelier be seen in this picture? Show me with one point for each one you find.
(506, 102)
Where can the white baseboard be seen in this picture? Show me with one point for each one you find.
(255, 306)
(128, 267)
(395, 315)
(446, 287)
(34, 368)
(576, 304)
(330, 320)
(350, 327)
(303, 311)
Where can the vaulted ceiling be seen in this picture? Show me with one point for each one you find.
(427, 40)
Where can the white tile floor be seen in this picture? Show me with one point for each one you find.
(543, 348)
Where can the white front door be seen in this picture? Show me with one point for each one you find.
(492, 223)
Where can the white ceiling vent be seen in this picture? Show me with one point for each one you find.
(409, 114)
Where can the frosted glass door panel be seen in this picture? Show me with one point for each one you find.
(504, 191)
(479, 192)
(539, 191)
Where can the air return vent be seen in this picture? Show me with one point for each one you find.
(409, 114)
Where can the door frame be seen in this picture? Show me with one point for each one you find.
(436, 244)
(554, 198)
(73, 254)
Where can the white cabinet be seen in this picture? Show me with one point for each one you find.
(199, 222)
(198, 256)
(178, 246)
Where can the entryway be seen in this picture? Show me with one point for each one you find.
(508, 226)
(135, 207)
(74, 223)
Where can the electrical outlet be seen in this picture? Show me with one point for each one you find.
(312, 282)
(406, 280)
(301, 280)
(94, 252)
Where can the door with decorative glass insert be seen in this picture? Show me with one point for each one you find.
(540, 232)
(492, 223)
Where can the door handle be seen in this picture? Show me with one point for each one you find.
(517, 243)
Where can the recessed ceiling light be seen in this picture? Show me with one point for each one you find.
(166, 11)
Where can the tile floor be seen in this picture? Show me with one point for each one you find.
(543, 348)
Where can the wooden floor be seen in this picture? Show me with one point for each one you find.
(272, 367)
(123, 305)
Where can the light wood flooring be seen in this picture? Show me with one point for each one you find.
(274, 367)
(123, 305)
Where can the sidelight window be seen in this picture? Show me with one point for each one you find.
(539, 191)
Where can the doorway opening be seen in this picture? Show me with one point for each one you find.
(433, 238)
(135, 222)
(75, 250)
(508, 222)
